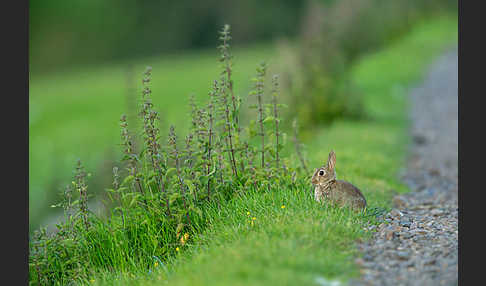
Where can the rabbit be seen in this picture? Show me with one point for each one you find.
(335, 191)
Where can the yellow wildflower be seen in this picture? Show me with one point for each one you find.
(156, 264)
(247, 213)
(253, 218)
(184, 238)
(283, 206)
(177, 248)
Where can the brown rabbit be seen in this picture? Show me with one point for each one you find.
(336, 191)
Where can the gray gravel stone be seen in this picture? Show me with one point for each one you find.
(417, 243)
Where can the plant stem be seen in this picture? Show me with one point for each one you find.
(275, 115)
(261, 71)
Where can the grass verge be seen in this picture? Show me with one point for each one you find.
(292, 240)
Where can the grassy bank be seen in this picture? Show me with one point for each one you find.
(282, 237)
(75, 114)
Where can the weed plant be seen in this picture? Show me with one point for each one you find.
(161, 198)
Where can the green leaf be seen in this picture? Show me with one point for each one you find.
(196, 210)
(213, 171)
(128, 179)
(132, 202)
(269, 119)
(179, 229)
(190, 186)
(170, 172)
(271, 151)
(152, 174)
(204, 180)
(173, 197)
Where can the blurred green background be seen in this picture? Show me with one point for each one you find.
(67, 33)
(86, 59)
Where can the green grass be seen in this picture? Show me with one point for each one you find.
(75, 114)
(238, 252)
(303, 241)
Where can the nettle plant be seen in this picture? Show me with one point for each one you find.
(159, 199)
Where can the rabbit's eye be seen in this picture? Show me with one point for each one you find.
(321, 173)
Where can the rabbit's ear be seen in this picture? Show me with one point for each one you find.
(331, 161)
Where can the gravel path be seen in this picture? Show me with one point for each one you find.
(417, 243)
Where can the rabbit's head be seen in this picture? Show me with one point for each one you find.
(326, 173)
